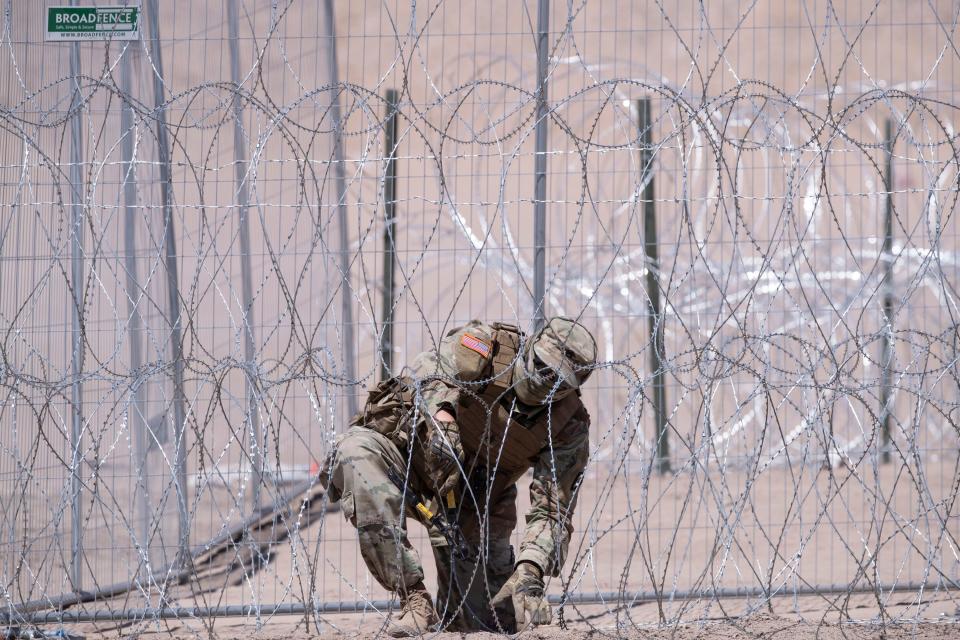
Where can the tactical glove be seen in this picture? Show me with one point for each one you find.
(444, 455)
(525, 587)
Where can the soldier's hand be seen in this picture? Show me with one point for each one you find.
(525, 587)
(445, 453)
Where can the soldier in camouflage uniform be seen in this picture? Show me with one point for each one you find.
(471, 417)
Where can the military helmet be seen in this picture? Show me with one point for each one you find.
(556, 362)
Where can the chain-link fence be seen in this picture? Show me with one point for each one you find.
(213, 237)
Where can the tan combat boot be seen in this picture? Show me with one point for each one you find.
(417, 615)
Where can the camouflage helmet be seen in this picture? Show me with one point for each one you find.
(556, 362)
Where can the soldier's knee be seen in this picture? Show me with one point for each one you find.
(389, 556)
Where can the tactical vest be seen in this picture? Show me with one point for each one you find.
(494, 433)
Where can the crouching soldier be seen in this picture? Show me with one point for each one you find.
(445, 444)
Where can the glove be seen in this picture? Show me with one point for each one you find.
(525, 587)
(444, 455)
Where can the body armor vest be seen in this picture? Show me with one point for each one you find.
(494, 431)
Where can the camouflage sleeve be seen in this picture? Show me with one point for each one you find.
(556, 479)
(462, 356)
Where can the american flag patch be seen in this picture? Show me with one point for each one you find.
(475, 344)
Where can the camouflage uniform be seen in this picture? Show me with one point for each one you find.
(476, 375)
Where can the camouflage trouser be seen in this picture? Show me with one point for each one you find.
(373, 504)
(465, 587)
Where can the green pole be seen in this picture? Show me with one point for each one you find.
(659, 395)
(389, 233)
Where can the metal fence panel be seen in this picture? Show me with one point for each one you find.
(192, 234)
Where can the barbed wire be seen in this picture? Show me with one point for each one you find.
(807, 255)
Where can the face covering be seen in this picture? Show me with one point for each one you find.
(535, 383)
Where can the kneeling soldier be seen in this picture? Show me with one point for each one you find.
(446, 446)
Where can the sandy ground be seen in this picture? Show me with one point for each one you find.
(635, 624)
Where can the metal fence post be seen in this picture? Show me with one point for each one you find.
(346, 293)
(645, 126)
(254, 438)
(138, 425)
(540, 168)
(76, 277)
(389, 233)
(886, 256)
(173, 289)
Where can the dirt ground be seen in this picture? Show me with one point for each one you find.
(755, 627)
(805, 618)
(763, 627)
